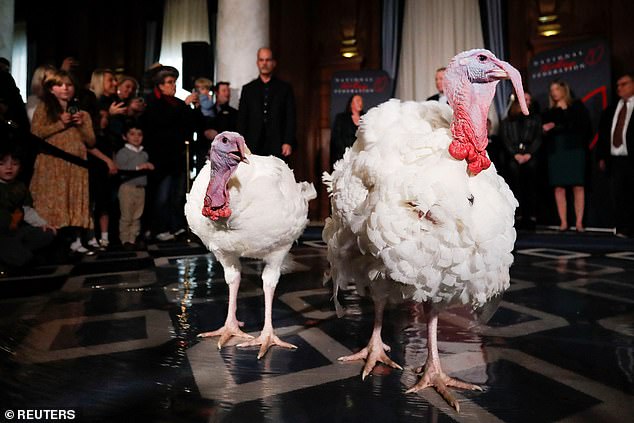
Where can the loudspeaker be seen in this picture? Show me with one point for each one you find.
(198, 62)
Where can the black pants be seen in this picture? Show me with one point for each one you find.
(167, 202)
(522, 180)
(622, 187)
(16, 247)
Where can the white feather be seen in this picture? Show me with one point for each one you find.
(401, 207)
(269, 209)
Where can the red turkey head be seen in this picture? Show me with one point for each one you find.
(469, 85)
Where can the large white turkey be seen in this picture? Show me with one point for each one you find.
(244, 205)
(412, 219)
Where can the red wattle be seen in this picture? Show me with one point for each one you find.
(215, 213)
(458, 150)
(480, 163)
(463, 145)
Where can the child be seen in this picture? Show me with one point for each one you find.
(132, 191)
(22, 230)
(203, 86)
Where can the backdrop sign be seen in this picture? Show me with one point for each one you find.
(584, 65)
(374, 86)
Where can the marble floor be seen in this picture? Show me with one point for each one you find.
(112, 337)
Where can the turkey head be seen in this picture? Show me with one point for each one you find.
(469, 85)
(228, 150)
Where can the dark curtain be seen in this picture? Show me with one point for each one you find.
(152, 42)
(212, 15)
(392, 25)
(494, 30)
(153, 32)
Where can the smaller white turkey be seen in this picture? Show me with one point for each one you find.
(417, 211)
(244, 205)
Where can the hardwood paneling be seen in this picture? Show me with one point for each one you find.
(306, 37)
(98, 34)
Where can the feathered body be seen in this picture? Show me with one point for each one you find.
(269, 209)
(243, 205)
(418, 211)
(404, 209)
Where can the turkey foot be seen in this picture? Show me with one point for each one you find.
(229, 330)
(373, 353)
(435, 377)
(266, 340)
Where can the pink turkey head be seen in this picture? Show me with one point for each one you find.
(469, 85)
(228, 150)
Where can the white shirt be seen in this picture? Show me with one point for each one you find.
(622, 149)
(133, 148)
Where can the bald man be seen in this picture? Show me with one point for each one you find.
(266, 115)
(438, 79)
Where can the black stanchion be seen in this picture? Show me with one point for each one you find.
(187, 187)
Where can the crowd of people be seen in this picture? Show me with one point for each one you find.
(564, 131)
(86, 162)
(100, 163)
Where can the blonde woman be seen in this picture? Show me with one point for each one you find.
(104, 84)
(567, 129)
(127, 88)
(102, 166)
(40, 74)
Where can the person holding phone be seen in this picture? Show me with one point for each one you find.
(60, 187)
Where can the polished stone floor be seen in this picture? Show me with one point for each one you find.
(112, 337)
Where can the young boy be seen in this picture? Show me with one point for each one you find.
(22, 230)
(203, 87)
(132, 191)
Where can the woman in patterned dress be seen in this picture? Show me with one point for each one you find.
(60, 187)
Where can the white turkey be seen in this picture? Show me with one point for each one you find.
(244, 205)
(418, 212)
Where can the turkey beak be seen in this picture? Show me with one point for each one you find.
(497, 74)
(506, 71)
(244, 150)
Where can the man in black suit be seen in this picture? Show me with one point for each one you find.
(615, 151)
(440, 95)
(266, 114)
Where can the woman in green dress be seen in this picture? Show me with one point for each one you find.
(567, 131)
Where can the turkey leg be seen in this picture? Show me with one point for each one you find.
(432, 371)
(267, 337)
(232, 324)
(375, 351)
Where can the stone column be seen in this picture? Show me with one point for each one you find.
(242, 28)
(7, 14)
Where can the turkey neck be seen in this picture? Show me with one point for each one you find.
(471, 103)
(221, 171)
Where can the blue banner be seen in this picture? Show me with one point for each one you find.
(374, 86)
(584, 65)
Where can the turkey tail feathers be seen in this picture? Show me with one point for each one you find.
(308, 190)
(326, 179)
